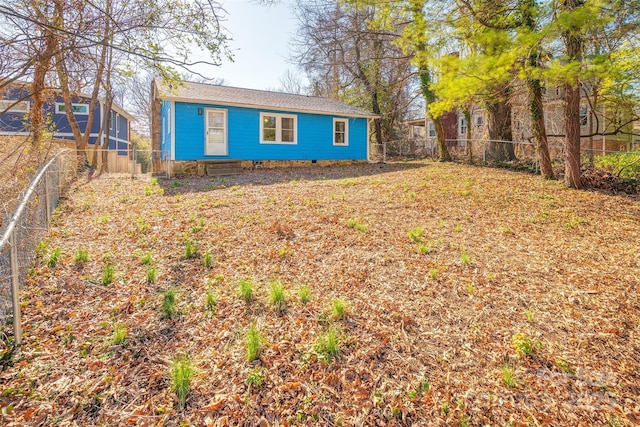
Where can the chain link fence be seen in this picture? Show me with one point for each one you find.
(523, 153)
(22, 232)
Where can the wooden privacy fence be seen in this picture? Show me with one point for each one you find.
(26, 228)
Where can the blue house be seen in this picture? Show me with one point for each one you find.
(211, 123)
(15, 104)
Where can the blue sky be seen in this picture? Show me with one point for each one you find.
(261, 42)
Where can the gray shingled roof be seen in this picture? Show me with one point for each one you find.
(215, 94)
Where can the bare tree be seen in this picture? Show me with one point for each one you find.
(348, 55)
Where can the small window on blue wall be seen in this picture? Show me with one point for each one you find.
(78, 109)
(340, 132)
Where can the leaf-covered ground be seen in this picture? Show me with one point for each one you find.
(473, 297)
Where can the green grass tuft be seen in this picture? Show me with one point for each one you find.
(211, 302)
(81, 256)
(304, 294)
(108, 273)
(119, 334)
(338, 307)
(54, 257)
(246, 290)
(253, 340)
(169, 307)
(182, 371)
(509, 376)
(415, 234)
(277, 297)
(207, 259)
(190, 249)
(151, 274)
(328, 344)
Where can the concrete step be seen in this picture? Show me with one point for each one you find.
(223, 168)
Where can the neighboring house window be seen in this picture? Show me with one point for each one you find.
(340, 132)
(584, 114)
(278, 128)
(432, 130)
(479, 121)
(79, 109)
(13, 106)
(463, 127)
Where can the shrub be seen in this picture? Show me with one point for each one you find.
(338, 308)
(622, 165)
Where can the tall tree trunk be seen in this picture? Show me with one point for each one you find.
(536, 112)
(443, 150)
(573, 43)
(38, 86)
(467, 118)
(536, 107)
(499, 126)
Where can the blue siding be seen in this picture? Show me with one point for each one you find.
(314, 142)
(18, 122)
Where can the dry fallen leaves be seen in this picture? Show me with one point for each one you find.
(431, 319)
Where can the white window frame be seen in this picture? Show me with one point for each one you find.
(19, 107)
(462, 127)
(431, 130)
(279, 118)
(225, 127)
(584, 115)
(346, 132)
(60, 109)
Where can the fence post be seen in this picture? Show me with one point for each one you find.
(47, 200)
(15, 291)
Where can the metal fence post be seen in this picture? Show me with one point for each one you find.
(47, 200)
(15, 291)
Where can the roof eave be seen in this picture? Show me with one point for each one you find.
(266, 107)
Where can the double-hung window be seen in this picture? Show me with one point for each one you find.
(584, 115)
(463, 127)
(340, 132)
(278, 128)
(432, 130)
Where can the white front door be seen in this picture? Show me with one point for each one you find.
(216, 133)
